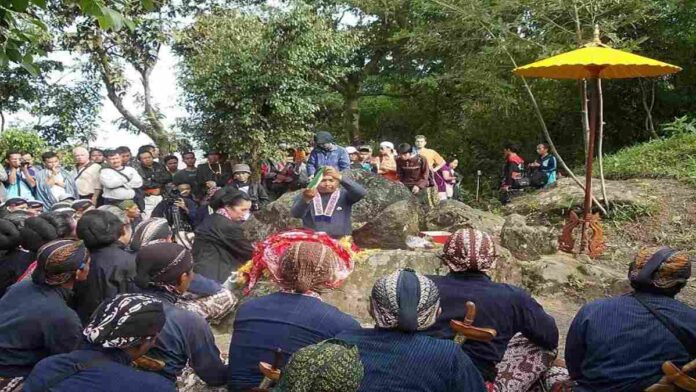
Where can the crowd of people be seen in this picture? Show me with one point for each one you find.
(111, 274)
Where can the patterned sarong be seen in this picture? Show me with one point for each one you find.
(527, 367)
(11, 384)
(213, 308)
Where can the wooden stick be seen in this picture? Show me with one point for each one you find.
(600, 136)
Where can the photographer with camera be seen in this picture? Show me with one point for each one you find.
(179, 210)
(241, 175)
(20, 180)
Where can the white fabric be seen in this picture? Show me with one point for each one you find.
(116, 186)
(151, 202)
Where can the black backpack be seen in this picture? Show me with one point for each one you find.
(538, 178)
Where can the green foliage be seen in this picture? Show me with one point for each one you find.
(23, 141)
(252, 83)
(679, 126)
(674, 157)
(25, 35)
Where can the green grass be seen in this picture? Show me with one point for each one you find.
(674, 157)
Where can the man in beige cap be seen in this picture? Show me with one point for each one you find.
(241, 180)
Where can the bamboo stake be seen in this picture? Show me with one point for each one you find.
(600, 135)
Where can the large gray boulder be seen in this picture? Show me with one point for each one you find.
(575, 276)
(273, 218)
(527, 242)
(381, 193)
(452, 215)
(389, 228)
(353, 296)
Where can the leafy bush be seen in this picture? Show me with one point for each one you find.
(679, 126)
(23, 141)
(674, 157)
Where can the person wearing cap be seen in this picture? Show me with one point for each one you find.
(35, 319)
(121, 330)
(241, 175)
(35, 207)
(165, 271)
(329, 207)
(292, 318)
(113, 267)
(412, 170)
(15, 204)
(155, 176)
(619, 344)
(387, 161)
(326, 154)
(20, 181)
(354, 157)
(54, 183)
(86, 175)
(521, 323)
(119, 182)
(82, 206)
(367, 161)
(213, 173)
(396, 356)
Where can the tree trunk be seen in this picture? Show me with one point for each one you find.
(648, 106)
(2, 121)
(351, 109)
(153, 127)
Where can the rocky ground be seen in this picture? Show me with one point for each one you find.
(644, 212)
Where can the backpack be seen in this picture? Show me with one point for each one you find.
(538, 178)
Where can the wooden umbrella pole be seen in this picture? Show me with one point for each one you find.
(587, 207)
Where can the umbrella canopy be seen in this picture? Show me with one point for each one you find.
(596, 61)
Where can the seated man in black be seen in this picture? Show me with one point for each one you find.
(35, 320)
(121, 330)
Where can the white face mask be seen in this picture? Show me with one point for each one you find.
(246, 216)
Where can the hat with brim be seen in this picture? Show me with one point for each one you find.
(241, 168)
(35, 204)
(15, 201)
(351, 150)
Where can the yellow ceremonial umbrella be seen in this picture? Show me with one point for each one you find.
(594, 61)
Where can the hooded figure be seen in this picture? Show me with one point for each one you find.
(643, 329)
(327, 153)
(395, 356)
(122, 330)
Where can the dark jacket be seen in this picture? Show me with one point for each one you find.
(257, 193)
(513, 170)
(220, 247)
(111, 272)
(505, 308)
(35, 322)
(154, 177)
(339, 224)
(279, 320)
(205, 173)
(12, 266)
(318, 158)
(93, 369)
(617, 345)
(187, 220)
(413, 172)
(401, 362)
(187, 338)
(185, 176)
